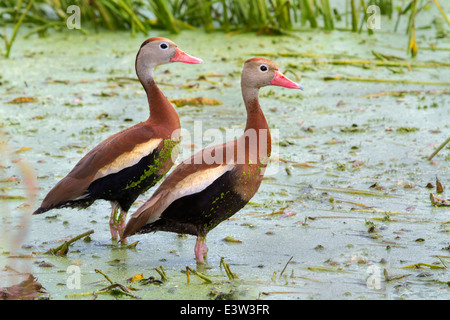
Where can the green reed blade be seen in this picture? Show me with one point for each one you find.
(327, 15)
(164, 15)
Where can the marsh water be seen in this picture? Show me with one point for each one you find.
(344, 211)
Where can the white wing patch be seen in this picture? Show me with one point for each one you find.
(128, 159)
(199, 181)
(191, 184)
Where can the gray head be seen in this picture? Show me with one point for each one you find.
(158, 51)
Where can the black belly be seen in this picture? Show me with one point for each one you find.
(123, 186)
(198, 213)
(127, 184)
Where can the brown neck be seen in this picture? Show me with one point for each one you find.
(255, 118)
(161, 110)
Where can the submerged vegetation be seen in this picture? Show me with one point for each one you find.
(231, 16)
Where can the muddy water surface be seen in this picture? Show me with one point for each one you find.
(343, 213)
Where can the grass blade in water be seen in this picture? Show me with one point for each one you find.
(327, 15)
(164, 15)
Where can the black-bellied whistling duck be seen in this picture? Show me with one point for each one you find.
(129, 162)
(218, 181)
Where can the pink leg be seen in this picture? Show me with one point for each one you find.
(112, 221)
(121, 223)
(200, 249)
(117, 222)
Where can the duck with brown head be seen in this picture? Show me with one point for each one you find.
(200, 193)
(129, 162)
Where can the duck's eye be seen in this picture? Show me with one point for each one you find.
(263, 68)
(163, 45)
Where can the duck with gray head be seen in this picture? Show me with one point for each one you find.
(218, 181)
(131, 161)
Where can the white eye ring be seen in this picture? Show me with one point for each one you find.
(264, 68)
(164, 45)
